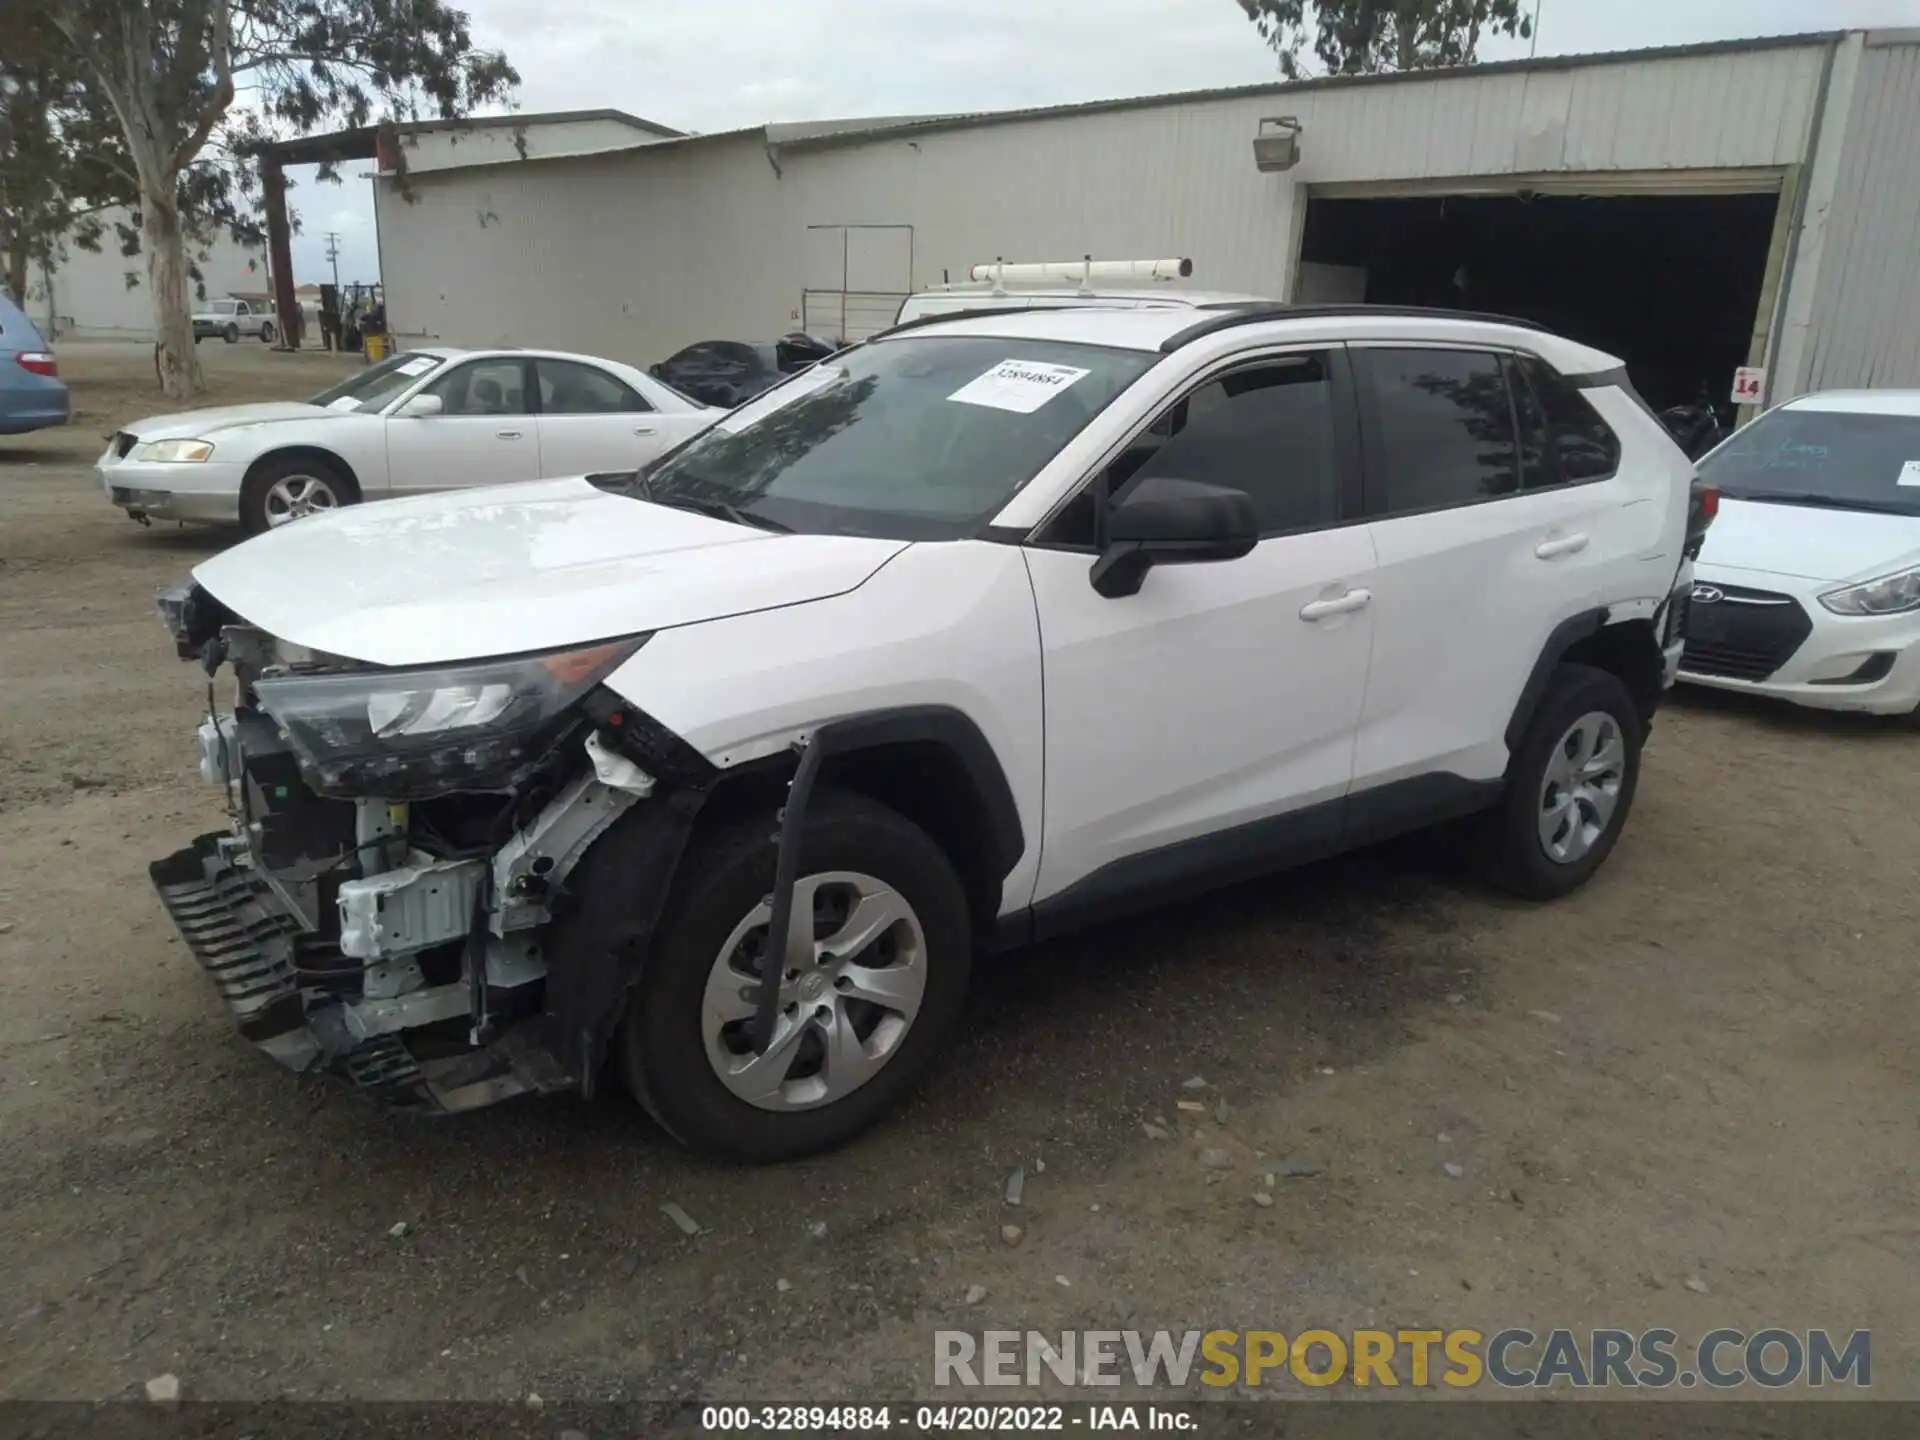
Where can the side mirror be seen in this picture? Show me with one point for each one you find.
(657, 371)
(419, 407)
(1164, 521)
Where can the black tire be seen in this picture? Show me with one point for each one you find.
(1519, 854)
(232, 335)
(266, 332)
(275, 468)
(724, 875)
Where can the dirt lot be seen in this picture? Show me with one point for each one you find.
(1685, 1097)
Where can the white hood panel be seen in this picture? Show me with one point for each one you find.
(518, 568)
(198, 424)
(1808, 542)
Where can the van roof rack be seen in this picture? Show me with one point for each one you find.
(1254, 312)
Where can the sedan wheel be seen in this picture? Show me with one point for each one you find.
(846, 1002)
(293, 496)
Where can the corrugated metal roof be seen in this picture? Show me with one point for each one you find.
(855, 132)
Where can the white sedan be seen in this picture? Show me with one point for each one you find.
(422, 420)
(1808, 589)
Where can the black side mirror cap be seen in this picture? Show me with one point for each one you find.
(1166, 521)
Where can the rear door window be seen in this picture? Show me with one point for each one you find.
(1443, 430)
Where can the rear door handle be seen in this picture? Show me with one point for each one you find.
(645, 430)
(1565, 545)
(506, 434)
(1348, 603)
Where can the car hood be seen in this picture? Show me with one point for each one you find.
(1808, 542)
(518, 568)
(198, 424)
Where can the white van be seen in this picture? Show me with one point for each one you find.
(1077, 284)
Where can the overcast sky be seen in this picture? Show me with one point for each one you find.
(725, 64)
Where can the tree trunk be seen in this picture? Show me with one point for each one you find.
(166, 247)
(16, 246)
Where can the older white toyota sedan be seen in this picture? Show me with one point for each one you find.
(422, 420)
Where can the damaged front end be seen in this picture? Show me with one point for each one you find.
(399, 843)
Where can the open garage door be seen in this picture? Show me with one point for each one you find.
(858, 276)
(1679, 285)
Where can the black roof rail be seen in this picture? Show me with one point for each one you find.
(976, 312)
(1254, 311)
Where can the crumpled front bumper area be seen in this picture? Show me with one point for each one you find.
(248, 941)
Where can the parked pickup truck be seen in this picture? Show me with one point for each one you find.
(230, 319)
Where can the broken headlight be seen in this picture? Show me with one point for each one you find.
(417, 734)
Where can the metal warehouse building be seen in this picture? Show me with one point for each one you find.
(1694, 210)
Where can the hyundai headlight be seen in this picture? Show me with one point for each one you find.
(415, 734)
(173, 452)
(1889, 595)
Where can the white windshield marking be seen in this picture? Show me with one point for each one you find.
(1021, 386)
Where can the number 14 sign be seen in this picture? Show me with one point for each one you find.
(1749, 382)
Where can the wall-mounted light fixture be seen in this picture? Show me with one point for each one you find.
(1277, 146)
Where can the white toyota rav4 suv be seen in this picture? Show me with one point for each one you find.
(720, 773)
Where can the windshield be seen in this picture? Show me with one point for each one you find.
(1823, 457)
(374, 387)
(920, 438)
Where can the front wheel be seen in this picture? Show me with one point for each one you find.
(288, 488)
(1570, 786)
(232, 335)
(870, 988)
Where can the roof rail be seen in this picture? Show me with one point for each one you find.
(1253, 313)
(975, 312)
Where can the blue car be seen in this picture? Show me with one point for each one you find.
(32, 396)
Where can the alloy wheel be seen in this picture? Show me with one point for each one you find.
(854, 973)
(294, 496)
(1581, 788)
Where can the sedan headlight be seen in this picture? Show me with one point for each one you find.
(415, 734)
(1889, 595)
(173, 452)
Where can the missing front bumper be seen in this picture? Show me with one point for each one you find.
(248, 942)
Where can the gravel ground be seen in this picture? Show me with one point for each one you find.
(1684, 1097)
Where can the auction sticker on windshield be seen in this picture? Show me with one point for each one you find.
(1909, 473)
(419, 365)
(1021, 386)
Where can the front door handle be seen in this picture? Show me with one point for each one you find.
(506, 434)
(645, 430)
(1345, 605)
(1565, 545)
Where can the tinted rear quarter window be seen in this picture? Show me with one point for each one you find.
(1443, 430)
(1559, 423)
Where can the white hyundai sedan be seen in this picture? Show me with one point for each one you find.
(423, 420)
(1808, 588)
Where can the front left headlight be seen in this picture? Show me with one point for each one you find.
(1889, 595)
(416, 734)
(173, 452)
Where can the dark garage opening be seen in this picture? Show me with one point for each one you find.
(1670, 283)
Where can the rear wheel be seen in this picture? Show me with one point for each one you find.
(266, 332)
(867, 997)
(285, 488)
(1570, 787)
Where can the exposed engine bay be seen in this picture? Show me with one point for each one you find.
(398, 844)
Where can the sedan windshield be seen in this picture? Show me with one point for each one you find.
(372, 388)
(917, 438)
(1833, 459)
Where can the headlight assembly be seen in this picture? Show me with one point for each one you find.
(173, 452)
(1889, 595)
(415, 734)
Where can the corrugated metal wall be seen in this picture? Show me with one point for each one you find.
(1179, 179)
(1866, 330)
(629, 256)
(635, 254)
